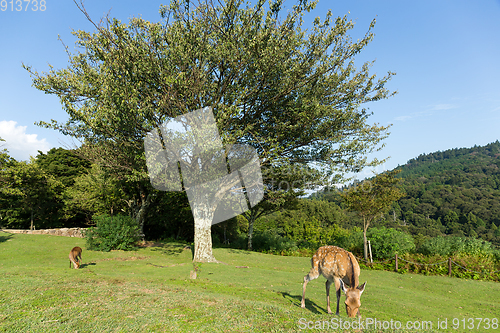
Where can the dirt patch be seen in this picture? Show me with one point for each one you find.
(157, 244)
(122, 259)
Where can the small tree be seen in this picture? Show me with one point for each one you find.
(95, 192)
(372, 198)
(28, 193)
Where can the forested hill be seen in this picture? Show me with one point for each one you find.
(456, 191)
(473, 161)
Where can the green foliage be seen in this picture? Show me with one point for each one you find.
(118, 232)
(295, 97)
(310, 224)
(372, 198)
(452, 245)
(95, 192)
(29, 195)
(465, 266)
(455, 192)
(352, 241)
(270, 241)
(65, 165)
(387, 242)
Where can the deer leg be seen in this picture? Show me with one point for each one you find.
(328, 284)
(337, 291)
(311, 276)
(303, 302)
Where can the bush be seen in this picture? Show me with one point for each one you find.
(118, 232)
(352, 241)
(452, 245)
(387, 242)
(271, 241)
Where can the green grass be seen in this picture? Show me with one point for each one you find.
(129, 292)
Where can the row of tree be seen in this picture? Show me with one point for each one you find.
(61, 189)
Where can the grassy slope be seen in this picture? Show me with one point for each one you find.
(122, 292)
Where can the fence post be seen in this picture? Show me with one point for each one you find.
(449, 267)
(396, 269)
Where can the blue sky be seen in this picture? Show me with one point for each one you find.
(445, 54)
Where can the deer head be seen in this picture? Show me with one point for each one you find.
(352, 302)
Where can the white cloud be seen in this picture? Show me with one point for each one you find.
(20, 144)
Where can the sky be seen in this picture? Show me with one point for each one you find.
(445, 55)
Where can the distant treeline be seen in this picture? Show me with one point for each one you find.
(454, 193)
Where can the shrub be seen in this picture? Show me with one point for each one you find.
(118, 232)
(352, 241)
(271, 241)
(386, 242)
(452, 245)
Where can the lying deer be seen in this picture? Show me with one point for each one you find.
(74, 254)
(339, 266)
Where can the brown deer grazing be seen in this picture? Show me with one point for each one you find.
(74, 254)
(339, 266)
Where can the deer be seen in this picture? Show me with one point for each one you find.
(74, 254)
(341, 267)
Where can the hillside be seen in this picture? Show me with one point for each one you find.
(456, 191)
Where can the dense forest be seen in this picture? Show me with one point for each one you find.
(453, 192)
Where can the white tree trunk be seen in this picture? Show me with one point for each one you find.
(203, 212)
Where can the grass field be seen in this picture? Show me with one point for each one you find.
(149, 290)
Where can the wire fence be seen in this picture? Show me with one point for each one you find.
(450, 262)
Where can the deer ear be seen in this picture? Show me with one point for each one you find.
(342, 286)
(361, 288)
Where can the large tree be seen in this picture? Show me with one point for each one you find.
(296, 97)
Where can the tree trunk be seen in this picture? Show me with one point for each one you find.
(365, 240)
(365, 244)
(203, 213)
(31, 227)
(203, 244)
(251, 220)
(141, 213)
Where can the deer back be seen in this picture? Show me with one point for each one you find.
(335, 262)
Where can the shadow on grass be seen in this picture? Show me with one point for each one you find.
(89, 264)
(171, 249)
(5, 238)
(240, 251)
(311, 306)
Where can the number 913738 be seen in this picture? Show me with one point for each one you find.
(475, 323)
(23, 5)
